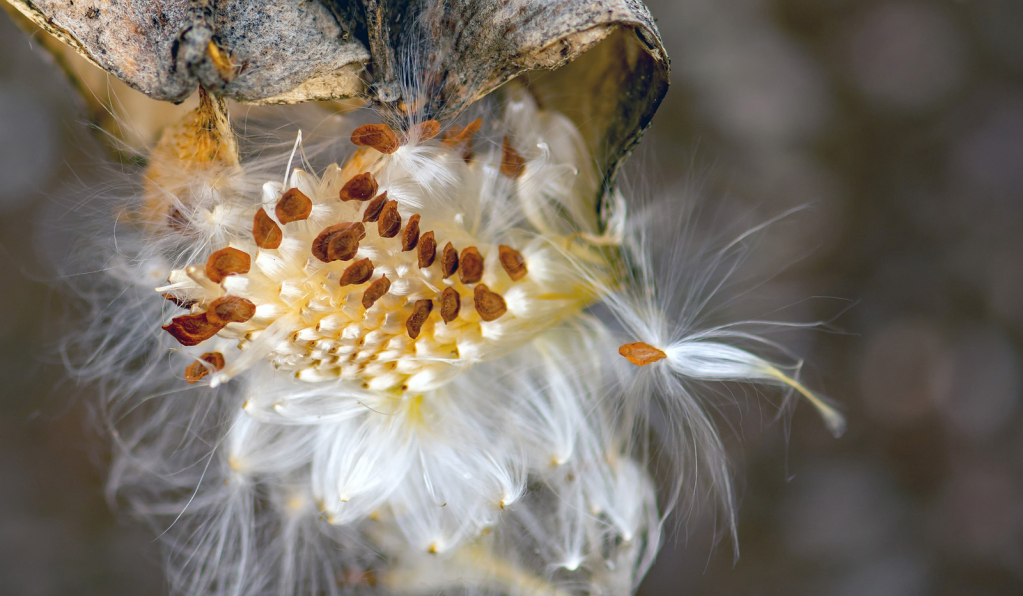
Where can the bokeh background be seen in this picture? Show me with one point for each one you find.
(898, 124)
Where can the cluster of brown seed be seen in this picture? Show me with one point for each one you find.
(340, 242)
(193, 329)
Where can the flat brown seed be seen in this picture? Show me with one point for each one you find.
(427, 250)
(361, 187)
(449, 260)
(196, 371)
(373, 209)
(265, 231)
(512, 261)
(230, 309)
(410, 235)
(339, 242)
(358, 272)
(182, 302)
(489, 305)
(428, 130)
(375, 290)
(450, 304)
(192, 330)
(227, 261)
(293, 206)
(455, 136)
(512, 163)
(641, 354)
(377, 136)
(420, 312)
(470, 266)
(389, 223)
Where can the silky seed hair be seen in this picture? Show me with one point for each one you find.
(430, 366)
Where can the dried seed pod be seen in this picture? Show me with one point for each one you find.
(361, 187)
(192, 330)
(293, 206)
(389, 223)
(512, 163)
(512, 261)
(265, 231)
(450, 304)
(641, 354)
(375, 291)
(357, 273)
(420, 312)
(410, 235)
(230, 309)
(449, 260)
(427, 249)
(196, 371)
(227, 261)
(470, 266)
(489, 305)
(377, 136)
(339, 242)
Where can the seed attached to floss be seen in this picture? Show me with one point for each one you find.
(512, 261)
(410, 236)
(389, 223)
(427, 250)
(358, 272)
(470, 268)
(196, 371)
(420, 312)
(373, 209)
(375, 291)
(339, 242)
(361, 187)
(183, 303)
(450, 304)
(265, 231)
(227, 261)
(449, 260)
(230, 309)
(455, 137)
(428, 130)
(641, 354)
(377, 136)
(489, 305)
(512, 163)
(192, 330)
(293, 206)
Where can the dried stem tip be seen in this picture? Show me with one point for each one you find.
(641, 354)
(377, 136)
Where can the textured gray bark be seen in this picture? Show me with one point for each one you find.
(415, 59)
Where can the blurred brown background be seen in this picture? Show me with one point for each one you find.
(899, 124)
